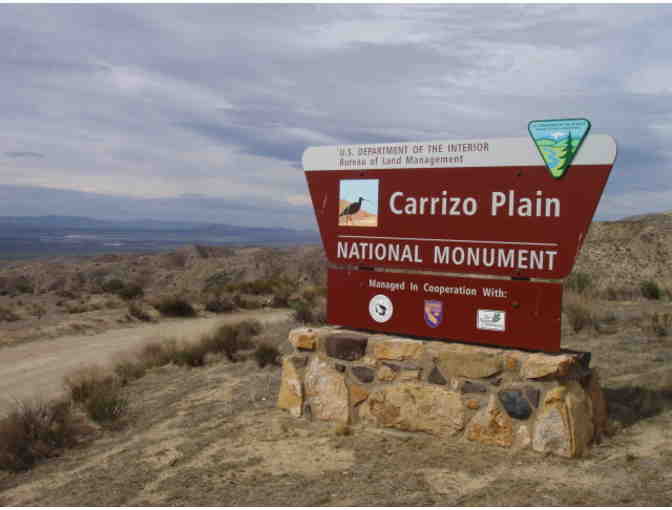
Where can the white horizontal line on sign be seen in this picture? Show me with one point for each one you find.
(345, 236)
(595, 150)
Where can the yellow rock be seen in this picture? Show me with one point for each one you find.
(491, 426)
(386, 374)
(290, 396)
(326, 392)
(396, 348)
(303, 338)
(541, 365)
(415, 406)
(470, 361)
(357, 394)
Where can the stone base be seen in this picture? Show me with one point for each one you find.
(505, 397)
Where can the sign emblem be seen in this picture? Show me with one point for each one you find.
(358, 203)
(433, 313)
(558, 141)
(493, 320)
(380, 308)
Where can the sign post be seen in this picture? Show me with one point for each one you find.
(449, 239)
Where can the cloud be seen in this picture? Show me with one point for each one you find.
(23, 154)
(156, 101)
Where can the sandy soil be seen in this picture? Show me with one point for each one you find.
(36, 369)
(212, 436)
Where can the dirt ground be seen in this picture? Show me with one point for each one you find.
(212, 436)
(38, 367)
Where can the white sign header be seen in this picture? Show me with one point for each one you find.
(595, 150)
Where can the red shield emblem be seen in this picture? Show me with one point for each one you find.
(433, 313)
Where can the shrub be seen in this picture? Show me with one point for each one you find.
(578, 282)
(136, 310)
(158, 353)
(267, 355)
(113, 286)
(230, 339)
(175, 306)
(580, 317)
(106, 403)
(131, 291)
(220, 304)
(192, 354)
(658, 324)
(128, 370)
(8, 315)
(82, 383)
(309, 313)
(650, 289)
(31, 433)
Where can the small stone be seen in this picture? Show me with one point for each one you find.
(364, 374)
(386, 374)
(523, 438)
(397, 349)
(303, 338)
(358, 394)
(532, 395)
(435, 377)
(515, 404)
(346, 346)
(491, 426)
(291, 395)
(473, 404)
(472, 387)
(339, 367)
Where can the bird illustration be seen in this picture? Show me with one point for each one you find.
(353, 208)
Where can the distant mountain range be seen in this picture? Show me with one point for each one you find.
(33, 236)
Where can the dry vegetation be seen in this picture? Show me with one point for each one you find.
(194, 423)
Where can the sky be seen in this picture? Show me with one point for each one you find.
(202, 112)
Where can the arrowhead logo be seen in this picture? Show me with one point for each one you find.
(558, 141)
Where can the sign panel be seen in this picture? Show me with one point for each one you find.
(500, 207)
(510, 313)
(486, 207)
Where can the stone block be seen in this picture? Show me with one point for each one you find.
(409, 375)
(515, 404)
(358, 394)
(346, 346)
(435, 377)
(542, 365)
(326, 392)
(598, 404)
(363, 374)
(290, 396)
(564, 425)
(491, 426)
(415, 406)
(303, 338)
(471, 361)
(386, 373)
(398, 349)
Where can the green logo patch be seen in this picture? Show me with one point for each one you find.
(558, 141)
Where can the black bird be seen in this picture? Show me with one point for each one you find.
(353, 208)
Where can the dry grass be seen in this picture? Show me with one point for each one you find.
(38, 431)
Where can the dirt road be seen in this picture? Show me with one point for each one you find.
(36, 369)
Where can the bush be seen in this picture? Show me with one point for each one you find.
(82, 383)
(578, 282)
(131, 291)
(192, 354)
(580, 317)
(267, 355)
(158, 353)
(309, 313)
(220, 304)
(106, 403)
(32, 433)
(8, 315)
(113, 286)
(127, 371)
(136, 310)
(230, 339)
(658, 324)
(175, 306)
(650, 290)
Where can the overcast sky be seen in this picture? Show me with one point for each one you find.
(203, 112)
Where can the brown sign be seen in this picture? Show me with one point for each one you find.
(486, 207)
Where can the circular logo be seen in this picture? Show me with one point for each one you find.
(380, 308)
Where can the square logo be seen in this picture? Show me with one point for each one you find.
(358, 203)
(492, 320)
